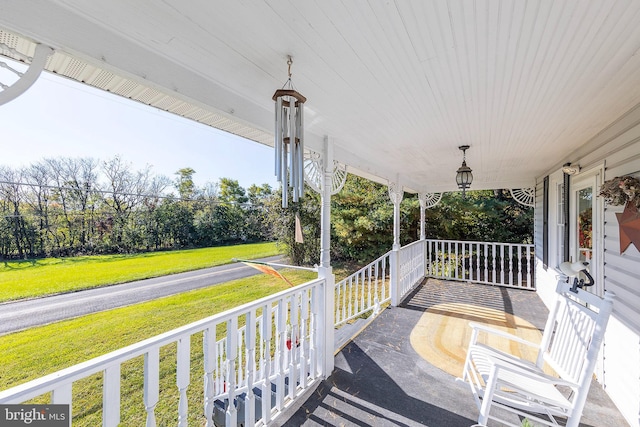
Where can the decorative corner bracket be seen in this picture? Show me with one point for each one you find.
(524, 196)
(25, 79)
(429, 200)
(313, 173)
(396, 192)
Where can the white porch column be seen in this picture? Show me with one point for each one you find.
(422, 197)
(325, 270)
(395, 194)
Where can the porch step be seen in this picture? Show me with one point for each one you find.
(346, 333)
(220, 406)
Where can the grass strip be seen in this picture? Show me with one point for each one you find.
(48, 276)
(39, 351)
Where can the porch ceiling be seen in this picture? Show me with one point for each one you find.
(397, 85)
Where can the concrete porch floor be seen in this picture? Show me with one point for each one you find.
(380, 380)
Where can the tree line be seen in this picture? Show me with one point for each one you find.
(71, 206)
(362, 221)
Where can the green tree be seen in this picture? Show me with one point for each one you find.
(231, 191)
(256, 219)
(282, 224)
(362, 218)
(184, 183)
(175, 224)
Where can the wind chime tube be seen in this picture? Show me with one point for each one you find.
(284, 133)
(277, 146)
(293, 147)
(283, 182)
(300, 117)
(284, 151)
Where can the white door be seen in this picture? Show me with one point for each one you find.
(585, 243)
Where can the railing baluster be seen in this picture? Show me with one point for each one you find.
(457, 260)
(250, 359)
(314, 337)
(240, 355)
(266, 363)
(350, 298)
(209, 353)
(369, 295)
(151, 384)
(520, 266)
(280, 354)
(339, 303)
(510, 249)
(502, 265)
(304, 343)
(232, 354)
(441, 259)
(293, 347)
(221, 378)
(478, 252)
(111, 397)
(63, 394)
(355, 296)
(362, 290)
(383, 277)
(376, 295)
(529, 277)
(183, 371)
(344, 301)
(495, 252)
(486, 263)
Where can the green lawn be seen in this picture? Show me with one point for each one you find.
(36, 352)
(38, 277)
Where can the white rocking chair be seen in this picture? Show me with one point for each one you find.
(570, 345)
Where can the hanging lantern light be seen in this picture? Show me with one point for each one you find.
(289, 139)
(464, 177)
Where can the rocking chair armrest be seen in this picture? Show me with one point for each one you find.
(533, 374)
(494, 331)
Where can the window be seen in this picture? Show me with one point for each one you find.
(584, 226)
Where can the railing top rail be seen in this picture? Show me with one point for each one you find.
(364, 268)
(479, 242)
(417, 242)
(43, 384)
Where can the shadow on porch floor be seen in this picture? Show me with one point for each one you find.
(380, 380)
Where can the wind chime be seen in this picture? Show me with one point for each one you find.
(289, 139)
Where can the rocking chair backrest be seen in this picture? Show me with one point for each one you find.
(574, 332)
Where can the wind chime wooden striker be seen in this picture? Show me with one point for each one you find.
(289, 139)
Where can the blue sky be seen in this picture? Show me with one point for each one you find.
(58, 117)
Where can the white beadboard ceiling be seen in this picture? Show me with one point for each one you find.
(396, 85)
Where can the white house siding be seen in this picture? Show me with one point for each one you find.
(618, 149)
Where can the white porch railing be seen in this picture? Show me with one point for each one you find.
(368, 288)
(261, 356)
(364, 291)
(503, 264)
(412, 267)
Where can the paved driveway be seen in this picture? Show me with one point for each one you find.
(19, 315)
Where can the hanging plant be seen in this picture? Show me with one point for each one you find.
(620, 190)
